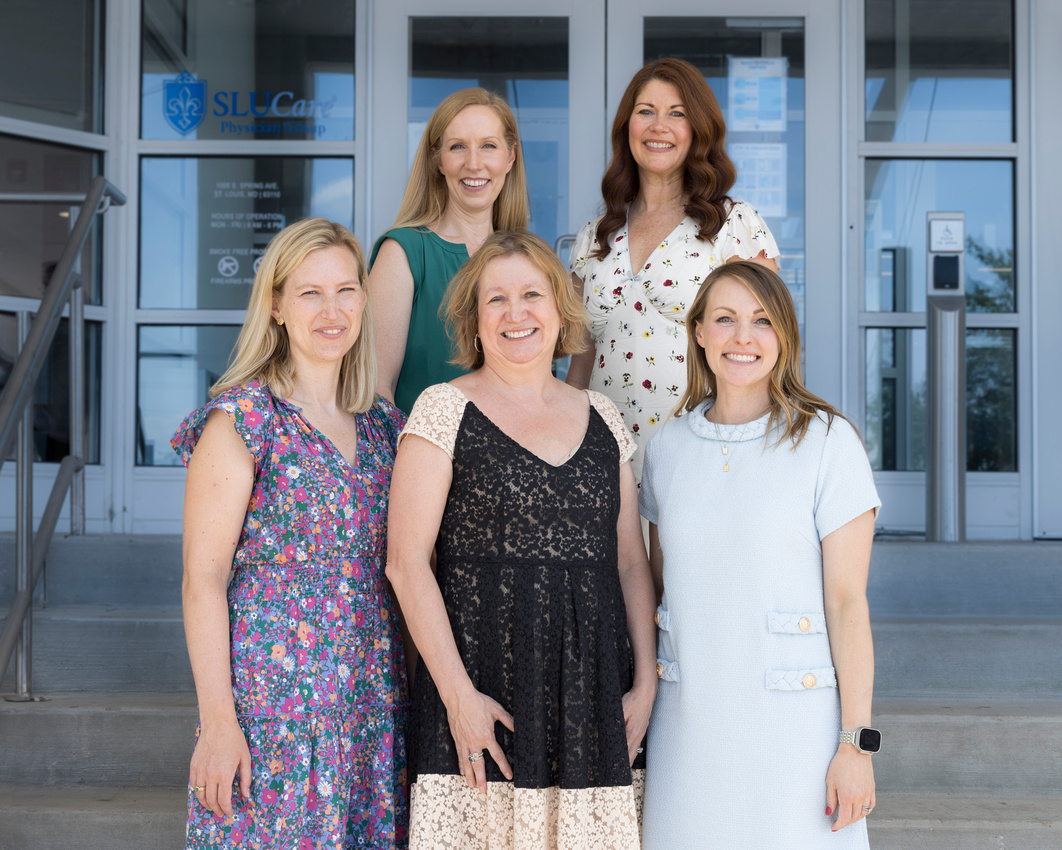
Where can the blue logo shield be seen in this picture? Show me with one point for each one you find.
(184, 103)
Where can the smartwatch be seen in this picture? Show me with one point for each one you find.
(866, 739)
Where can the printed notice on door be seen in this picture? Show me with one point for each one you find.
(756, 90)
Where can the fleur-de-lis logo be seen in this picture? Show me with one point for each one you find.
(185, 102)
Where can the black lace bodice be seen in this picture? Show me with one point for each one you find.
(527, 569)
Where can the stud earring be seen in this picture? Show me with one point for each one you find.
(280, 321)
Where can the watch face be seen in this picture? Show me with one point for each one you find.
(869, 740)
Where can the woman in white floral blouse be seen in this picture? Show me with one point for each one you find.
(668, 223)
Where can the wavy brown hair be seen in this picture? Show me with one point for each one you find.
(262, 351)
(790, 400)
(426, 196)
(460, 306)
(709, 172)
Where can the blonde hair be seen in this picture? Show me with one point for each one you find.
(789, 398)
(460, 305)
(262, 353)
(426, 196)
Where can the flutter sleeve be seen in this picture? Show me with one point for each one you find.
(436, 416)
(603, 405)
(249, 408)
(585, 243)
(844, 488)
(745, 234)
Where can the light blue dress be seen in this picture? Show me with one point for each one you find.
(746, 718)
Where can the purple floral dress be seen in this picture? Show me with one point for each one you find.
(318, 673)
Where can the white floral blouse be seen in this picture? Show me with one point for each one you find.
(638, 321)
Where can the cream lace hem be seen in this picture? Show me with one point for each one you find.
(446, 813)
(438, 411)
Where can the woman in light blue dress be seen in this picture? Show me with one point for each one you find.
(761, 505)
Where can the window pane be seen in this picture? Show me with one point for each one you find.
(939, 70)
(896, 402)
(991, 400)
(50, 61)
(33, 234)
(756, 70)
(525, 60)
(176, 366)
(899, 193)
(895, 431)
(51, 399)
(205, 221)
(271, 69)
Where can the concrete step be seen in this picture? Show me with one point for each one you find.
(97, 818)
(132, 740)
(968, 657)
(969, 746)
(103, 569)
(101, 648)
(940, 821)
(1012, 579)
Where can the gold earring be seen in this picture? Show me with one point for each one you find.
(280, 321)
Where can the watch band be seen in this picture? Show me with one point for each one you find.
(849, 737)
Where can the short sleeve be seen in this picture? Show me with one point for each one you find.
(585, 243)
(844, 488)
(249, 408)
(604, 406)
(412, 244)
(647, 504)
(745, 234)
(436, 416)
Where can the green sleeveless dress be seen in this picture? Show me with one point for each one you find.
(433, 262)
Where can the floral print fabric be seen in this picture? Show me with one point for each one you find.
(638, 320)
(318, 672)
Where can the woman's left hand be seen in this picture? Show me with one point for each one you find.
(637, 706)
(849, 786)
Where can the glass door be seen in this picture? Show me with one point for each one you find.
(759, 61)
(548, 64)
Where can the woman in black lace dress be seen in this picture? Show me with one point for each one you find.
(536, 629)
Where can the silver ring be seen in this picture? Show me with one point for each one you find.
(474, 757)
(868, 809)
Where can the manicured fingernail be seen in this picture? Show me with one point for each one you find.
(829, 811)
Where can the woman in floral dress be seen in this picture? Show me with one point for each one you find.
(668, 222)
(291, 629)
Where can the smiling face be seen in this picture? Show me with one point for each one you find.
(321, 304)
(739, 341)
(518, 318)
(659, 132)
(474, 158)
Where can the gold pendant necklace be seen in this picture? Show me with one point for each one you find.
(726, 442)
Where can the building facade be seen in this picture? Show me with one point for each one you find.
(850, 122)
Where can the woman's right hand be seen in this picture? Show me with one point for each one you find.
(472, 726)
(220, 754)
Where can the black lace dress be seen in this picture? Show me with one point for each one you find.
(527, 566)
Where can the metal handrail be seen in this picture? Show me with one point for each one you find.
(16, 421)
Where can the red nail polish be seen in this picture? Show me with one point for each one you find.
(829, 811)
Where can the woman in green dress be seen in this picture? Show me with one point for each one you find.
(466, 182)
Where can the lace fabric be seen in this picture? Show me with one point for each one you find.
(527, 566)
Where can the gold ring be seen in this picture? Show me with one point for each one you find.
(198, 788)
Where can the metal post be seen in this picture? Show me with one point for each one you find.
(24, 530)
(76, 368)
(946, 378)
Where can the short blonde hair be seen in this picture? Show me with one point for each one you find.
(262, 352)
(460, 306)
(426, 195)
(790, 400)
